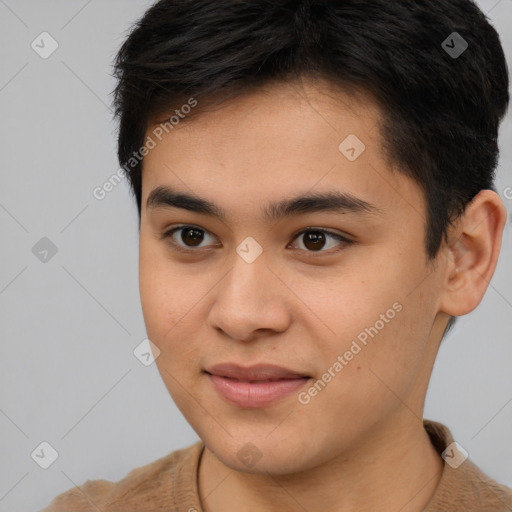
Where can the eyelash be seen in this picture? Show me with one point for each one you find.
(169, 233)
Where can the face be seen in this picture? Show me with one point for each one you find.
(337, 295)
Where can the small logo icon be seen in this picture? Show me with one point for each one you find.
(146, 352)
(249, 249)
(44, 250)
(249, 455)
(454, 455)
(454, 45)
(44, 455)
(351, 147)
(44, 45)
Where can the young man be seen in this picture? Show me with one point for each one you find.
(314, 182)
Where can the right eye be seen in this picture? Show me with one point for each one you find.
(192, 235)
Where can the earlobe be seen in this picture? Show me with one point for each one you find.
(474, 246)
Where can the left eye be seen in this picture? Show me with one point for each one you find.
(312, 239)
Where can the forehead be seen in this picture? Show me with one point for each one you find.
(281, 140)
(278, 117)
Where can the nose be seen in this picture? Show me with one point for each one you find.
(251, 301)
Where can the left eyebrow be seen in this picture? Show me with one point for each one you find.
(336, 202)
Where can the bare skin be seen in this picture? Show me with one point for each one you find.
(359, 443)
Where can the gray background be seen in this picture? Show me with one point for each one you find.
(69, 326)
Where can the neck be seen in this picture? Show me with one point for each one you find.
(394, 468)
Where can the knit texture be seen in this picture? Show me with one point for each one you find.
(169, 484)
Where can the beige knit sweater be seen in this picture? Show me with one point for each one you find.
(169, 484)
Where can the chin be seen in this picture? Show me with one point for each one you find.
(275, 456)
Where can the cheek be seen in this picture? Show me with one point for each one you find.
(377, 376)
(169, 320)
(396, 359)
(173, 304)
(382, 325)
(162, 293)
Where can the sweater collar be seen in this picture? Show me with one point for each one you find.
(460, 485)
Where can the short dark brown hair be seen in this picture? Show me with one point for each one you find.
(441, 111)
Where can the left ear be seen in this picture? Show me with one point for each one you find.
(473, 247)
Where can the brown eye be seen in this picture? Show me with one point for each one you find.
(192, 236)
(314, 240)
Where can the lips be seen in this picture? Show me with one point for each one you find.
(257, 373)
(255, 386)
